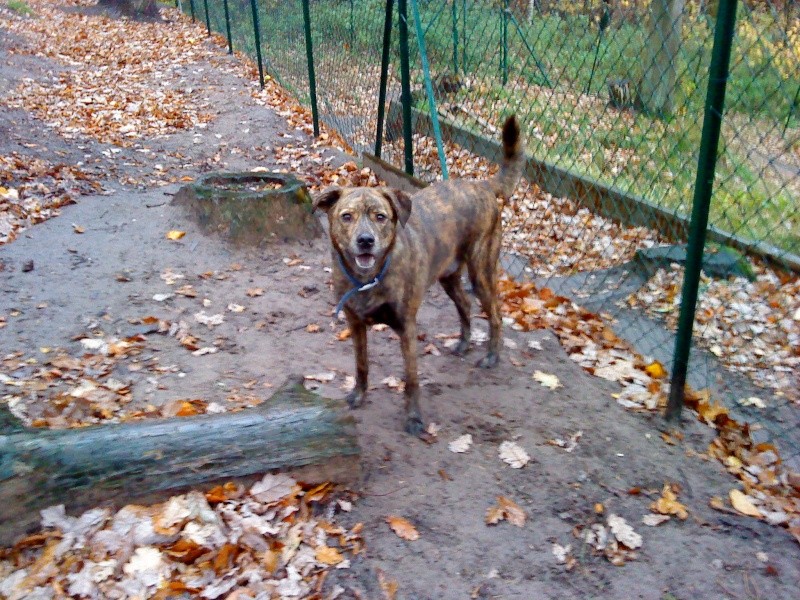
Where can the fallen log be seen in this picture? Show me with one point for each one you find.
(149, 460)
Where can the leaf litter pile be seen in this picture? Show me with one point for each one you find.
(33, 190)
(277, 539)
(119, 87)
(752, 327)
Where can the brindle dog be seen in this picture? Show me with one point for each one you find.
(389, 248)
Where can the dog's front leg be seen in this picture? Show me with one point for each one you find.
(408, 342)
(359, 334)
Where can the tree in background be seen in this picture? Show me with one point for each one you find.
(663, 43)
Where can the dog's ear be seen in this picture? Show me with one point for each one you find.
(401, 203)
(326, 199)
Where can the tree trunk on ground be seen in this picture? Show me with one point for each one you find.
(662, 44)
(146, 8)
(151, 460)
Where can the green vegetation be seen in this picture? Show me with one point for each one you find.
(20, 7)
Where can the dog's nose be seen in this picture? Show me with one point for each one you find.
(365, 241)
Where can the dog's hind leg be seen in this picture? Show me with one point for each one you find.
(483, 275)
(452, 285)
(359, 332)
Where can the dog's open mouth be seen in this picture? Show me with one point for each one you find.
(365, 261)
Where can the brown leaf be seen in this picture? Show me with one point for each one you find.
(403, 528)
(388, 586)
(494, 514)
(253, 292)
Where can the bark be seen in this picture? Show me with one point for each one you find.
(150, 460)
(663, 41)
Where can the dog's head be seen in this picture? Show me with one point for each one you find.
(363, 222)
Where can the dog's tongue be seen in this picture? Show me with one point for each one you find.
(365, 261)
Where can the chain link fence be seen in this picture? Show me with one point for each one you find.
(611, 95)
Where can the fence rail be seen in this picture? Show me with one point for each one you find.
(613, 97)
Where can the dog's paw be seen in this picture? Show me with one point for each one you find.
(414, 425)
(489, 361)
(355, 398)
(461, 348)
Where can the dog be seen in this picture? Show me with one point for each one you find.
(388, 248)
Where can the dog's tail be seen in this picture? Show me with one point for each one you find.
(513, 160)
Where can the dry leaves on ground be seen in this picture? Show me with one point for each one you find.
(205, 546)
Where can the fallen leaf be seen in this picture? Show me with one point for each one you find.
(388, 586)
(328, 555)
(253, 292)
(668, 504)
(78, 228)
(752, 401)
(624, 532)
(656, 370)
(403, 528)
(514, 455)
(175, 235)
(744, 504)
(313, 328)
(512, 511)
(547, 380)
(653, 520)
(273, 488)
(461, 444)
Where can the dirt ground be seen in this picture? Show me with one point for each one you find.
(75, 287)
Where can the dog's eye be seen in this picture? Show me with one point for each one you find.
(380, 217)
(347, 217)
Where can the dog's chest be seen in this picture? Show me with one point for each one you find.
(370, 312)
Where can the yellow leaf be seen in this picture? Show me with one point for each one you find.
(668, 504)
(328, 556)
(655, 369)
(175, 235)
(313, 328)
(403, 528)
(744, 505)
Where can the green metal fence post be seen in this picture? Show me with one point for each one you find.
(504, 36)
(191, 8)
(706, 163)
(426, 72)
(312, 80)
(387, 35)
(257, 35)
(455, 36)
(405, 84)
(464, 36)
(228, 26)
(208, 18)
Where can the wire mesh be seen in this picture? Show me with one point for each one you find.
(610, 94)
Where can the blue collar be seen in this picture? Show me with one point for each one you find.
(358, 286)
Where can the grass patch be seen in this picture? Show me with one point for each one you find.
(20, 7)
